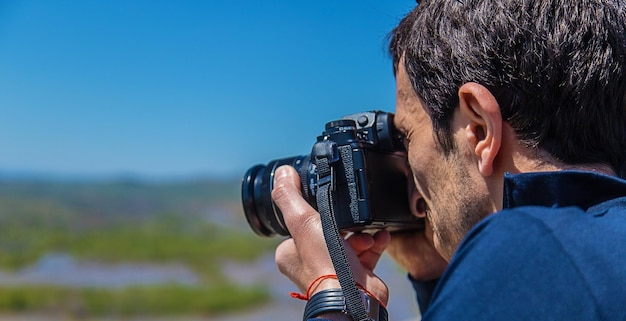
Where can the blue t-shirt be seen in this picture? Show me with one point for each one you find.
(556, 252)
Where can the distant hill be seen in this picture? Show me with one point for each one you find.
(81, 201)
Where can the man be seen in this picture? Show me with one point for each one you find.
(514, 115)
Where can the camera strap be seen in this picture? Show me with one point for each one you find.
(326, 156)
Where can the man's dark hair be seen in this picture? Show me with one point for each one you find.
(556, 67)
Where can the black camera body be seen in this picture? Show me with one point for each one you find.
(370, 178)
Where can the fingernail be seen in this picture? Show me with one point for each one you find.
(280, 173)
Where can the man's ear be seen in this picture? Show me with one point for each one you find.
(483, 126)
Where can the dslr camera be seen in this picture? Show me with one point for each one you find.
(370, 178)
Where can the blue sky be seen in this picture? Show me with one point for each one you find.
(167, 88)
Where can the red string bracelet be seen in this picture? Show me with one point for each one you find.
(316, 282)
(312, 286)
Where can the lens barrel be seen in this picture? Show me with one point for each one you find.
(262, 214)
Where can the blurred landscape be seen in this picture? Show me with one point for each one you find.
(168, 89)
(124, 247)
(136, 249)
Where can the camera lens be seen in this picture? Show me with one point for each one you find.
(263, 216)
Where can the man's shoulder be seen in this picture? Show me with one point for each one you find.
(566, 226)
(536, 255)
(583, 238)
(522, 232)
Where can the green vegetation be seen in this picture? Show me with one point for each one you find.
(199, 224)
(200, 245)
(147, 300)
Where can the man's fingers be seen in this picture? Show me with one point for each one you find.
(381, 240)
(369, 258)
(301, 219)
(360, 242)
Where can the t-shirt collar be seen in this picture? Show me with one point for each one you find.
(559, 189)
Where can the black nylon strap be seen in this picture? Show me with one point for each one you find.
(334, 242)
(348, 166)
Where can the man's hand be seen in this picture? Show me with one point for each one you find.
(415, 252)
(304, 257)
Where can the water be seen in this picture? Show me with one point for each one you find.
(62, 270)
